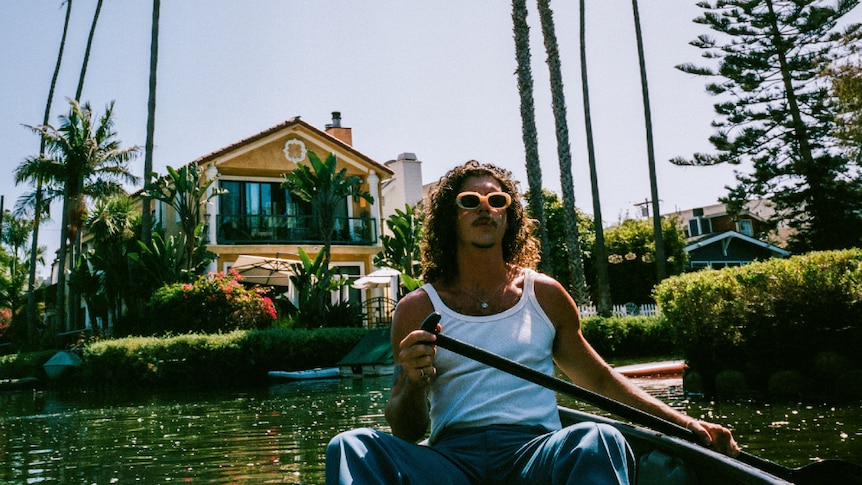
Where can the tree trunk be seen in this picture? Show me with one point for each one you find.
(528, 123)
(60, 304)
(605, 303)
(87, 51)
(146, 209)
(564, 154)
(32, 317)
(660, 270)
(74, 296)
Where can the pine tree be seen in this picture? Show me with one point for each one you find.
(774, 113)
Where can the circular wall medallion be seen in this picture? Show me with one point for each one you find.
(294, 150)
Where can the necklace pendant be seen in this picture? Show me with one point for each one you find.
(484, 305)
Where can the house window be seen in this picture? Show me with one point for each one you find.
(746, 227)
(351, 272)
(698, 226)
(259, 207)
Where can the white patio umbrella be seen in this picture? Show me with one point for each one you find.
(379, 278)
(264, 271)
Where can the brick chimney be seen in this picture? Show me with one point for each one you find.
(334, 129)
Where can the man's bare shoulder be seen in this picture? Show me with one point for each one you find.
(555, 300)
(410, 311)
(547, 286)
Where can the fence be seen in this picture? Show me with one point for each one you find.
(628, 309)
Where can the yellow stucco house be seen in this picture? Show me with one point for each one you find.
(259, 218)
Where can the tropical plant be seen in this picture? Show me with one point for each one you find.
(186, 190)
(105, 276)
(401, 250)
(528, 124)
(84, 157)
(165, 260)
(564, 154)
(326, 187)
(13, 270)
(774, 113)
(314, 306)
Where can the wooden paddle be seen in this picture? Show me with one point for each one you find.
(826, 471)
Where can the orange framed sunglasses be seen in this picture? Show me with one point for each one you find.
(472, 200)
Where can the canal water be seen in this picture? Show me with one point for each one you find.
(278, 434)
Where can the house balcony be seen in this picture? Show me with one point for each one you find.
(267, 229)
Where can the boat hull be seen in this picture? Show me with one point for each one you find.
(302, 375)
(668, 460)
(653, 369)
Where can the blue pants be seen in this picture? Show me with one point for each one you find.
(583, 453)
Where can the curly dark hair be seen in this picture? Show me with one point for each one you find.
(439, 242)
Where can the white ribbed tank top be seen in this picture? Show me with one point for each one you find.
(466, 393)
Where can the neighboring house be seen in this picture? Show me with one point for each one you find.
(258, 217)
(714, 239)
(405, 186)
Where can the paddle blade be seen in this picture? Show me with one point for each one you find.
(828, 471)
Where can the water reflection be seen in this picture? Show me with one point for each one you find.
(277, 435)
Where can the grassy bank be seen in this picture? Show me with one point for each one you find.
(243, 357)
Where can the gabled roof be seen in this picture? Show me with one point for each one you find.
(295, 121)
(726, 236)
(761, 209)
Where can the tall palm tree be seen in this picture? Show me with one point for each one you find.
(325, 187)
(112, 223)
(146, 214)
(600, 256)
(661, 272)
(85, 158)
(76, 242)
(528, 125)
(87, 51)
(564, 153)
(38, 205)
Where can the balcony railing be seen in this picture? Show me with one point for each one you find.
(265, 229)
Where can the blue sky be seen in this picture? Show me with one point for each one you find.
(433, 78)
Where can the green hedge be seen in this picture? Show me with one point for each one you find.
(235, 359)
(243, 357)
(629, 337)
(25, 364)
(775, 315)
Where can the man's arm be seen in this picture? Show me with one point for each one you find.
(407, 409)
(583, 365)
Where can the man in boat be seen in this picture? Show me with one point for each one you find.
(487, 426)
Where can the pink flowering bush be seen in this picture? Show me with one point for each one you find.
(214, 303)
(5, 321)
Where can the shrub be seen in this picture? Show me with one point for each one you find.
(213, 303)
(629, 337)
(767, 316)
(24, 364)
(235, 359)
